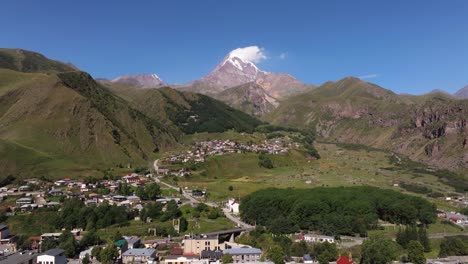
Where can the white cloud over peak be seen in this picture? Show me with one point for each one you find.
(369, 76)
(253, 54)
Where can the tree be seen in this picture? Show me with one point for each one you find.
(227, 258)
(23, 242)
(48, 243)
(325, 252)
(3, 216)
(201, 207)
(86, 259)
(378, 250)
(276, 254)
(152, 191)
(416, 252)
(183, 224)
(140, 192)
(214, 213)
(96, 252)
(298, 249)
(172, 211)
(68, 243)
(424, 239)
(282, 225)
(90, 238)
(109, 253)
(116, 236)
(264, 161)
(453, 246)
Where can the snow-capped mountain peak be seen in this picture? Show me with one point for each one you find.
(238, 68)
(141, 80)
(245, 67)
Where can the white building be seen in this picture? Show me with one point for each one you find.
(318, 238)
(53, 256)
(233, 206)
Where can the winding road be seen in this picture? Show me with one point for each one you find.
(194, 201)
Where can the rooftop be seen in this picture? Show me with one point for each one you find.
(140, 252)
(18, 258)
(242, 251)
(24, 199)
(53, 252)
(119, 243)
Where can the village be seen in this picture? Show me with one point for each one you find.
(192, 248)
(134, 192)
(201, 150)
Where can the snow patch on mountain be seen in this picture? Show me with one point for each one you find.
(252, 54)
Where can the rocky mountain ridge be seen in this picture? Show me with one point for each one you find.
(431, 128)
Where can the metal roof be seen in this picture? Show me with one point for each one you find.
(139, 252)
(242, 251)
(53, 252)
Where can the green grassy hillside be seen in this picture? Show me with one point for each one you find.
(28, 61)
(67, 122)
(430, 128)
(190, 112)
(57, 121)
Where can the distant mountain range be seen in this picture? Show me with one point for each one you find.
(234, 71)
(240, 83)
(140, 80)
(51, 112)
(230, 79)
(55, 120)
(431, 128)
(462, 93)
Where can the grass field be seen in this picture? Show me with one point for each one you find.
(196, 225)
(338, 166)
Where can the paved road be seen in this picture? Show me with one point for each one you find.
(194, 201)
(186, 195)
(156, 167)
(354, 241)
(228, 214)
(236, 220)
(442, 235)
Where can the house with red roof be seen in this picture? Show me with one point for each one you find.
(344, 260)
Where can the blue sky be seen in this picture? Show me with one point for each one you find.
(406, 46)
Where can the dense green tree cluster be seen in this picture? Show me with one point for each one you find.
(66, 241)
(412, 233)
(155, 211)
(204, 210)
(454, 246)
(264, 161)
(333, 211)
(416, 252)
(7, 180)
(75, 214)
(280, 247)
(325, 252)
(149, 192)
(378, 250)
(464, 211)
